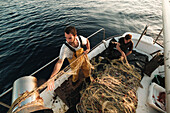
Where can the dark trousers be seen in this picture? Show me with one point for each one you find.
(114, 54)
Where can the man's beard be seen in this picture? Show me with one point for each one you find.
(72, 41)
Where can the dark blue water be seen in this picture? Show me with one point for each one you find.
(32, 31)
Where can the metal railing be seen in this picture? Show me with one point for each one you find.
(98, 32)
(5, 105)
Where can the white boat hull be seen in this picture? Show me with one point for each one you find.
(145, 46)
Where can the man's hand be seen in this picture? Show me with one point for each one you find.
(50, 85)
(123, 54)
(115, 43)
(87, 51)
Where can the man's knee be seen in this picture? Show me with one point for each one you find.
(74, 78)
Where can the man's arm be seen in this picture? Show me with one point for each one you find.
(55, 71)
(88, 47)
(119, 49)
(57, 67)
(128, 53)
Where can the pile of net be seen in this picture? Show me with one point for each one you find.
(113, 89)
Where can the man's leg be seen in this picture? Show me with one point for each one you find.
(75, 77)
(86, 71)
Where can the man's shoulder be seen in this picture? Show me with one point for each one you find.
(121, 39)
(64, 47)
(131, 41)
(81, 37)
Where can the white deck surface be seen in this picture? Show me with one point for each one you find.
(142, 93)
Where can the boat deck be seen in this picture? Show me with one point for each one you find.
(70, 94)
(66, 96)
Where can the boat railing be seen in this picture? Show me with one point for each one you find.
(4, 93)
(98, 32)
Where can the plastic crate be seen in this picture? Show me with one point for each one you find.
(154, 91)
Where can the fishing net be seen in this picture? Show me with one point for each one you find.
(79, 61)
(113, 89)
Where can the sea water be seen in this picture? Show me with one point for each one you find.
(32, 31)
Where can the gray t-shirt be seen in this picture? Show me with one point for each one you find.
(65, 52)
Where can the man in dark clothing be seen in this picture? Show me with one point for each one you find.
(123, 47)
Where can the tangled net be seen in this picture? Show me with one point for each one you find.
(113, 90)
(79, 61)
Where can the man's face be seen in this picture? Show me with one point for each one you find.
(69, 38)
(126, 41)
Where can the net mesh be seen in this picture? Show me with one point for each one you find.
(27, 94)
(113, 90)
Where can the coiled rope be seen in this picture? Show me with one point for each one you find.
(113, 90)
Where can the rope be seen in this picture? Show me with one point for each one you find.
(52, 62)
(25, 95)
(114, 89)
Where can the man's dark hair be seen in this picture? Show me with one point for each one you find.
(128, 36)
(71, 29)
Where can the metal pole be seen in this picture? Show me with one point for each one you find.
(166, 34)
(103, 34)
(144, 31)
(6, 92)
(95, 33)
(158, 36)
